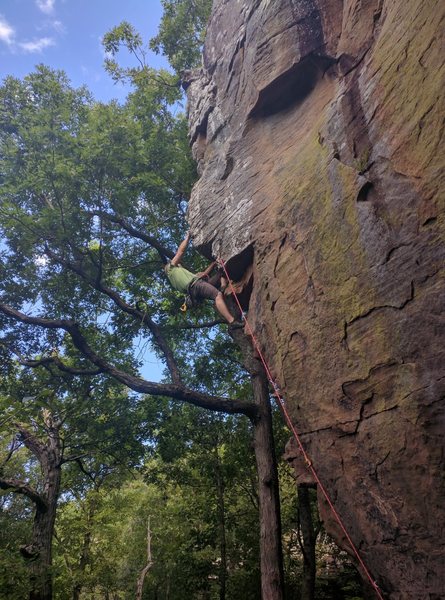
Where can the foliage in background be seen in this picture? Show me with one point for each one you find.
(182, 31)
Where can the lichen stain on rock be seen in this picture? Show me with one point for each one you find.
(318, 130)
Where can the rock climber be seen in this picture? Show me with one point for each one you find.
(199, 286)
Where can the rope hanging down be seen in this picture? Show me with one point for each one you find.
(282, 405)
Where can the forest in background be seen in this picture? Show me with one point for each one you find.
(146, 488)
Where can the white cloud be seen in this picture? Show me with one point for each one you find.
(37, 45)
(58, 26)
(53, 24)
(8, 36)
(7, 32)
(46, 6)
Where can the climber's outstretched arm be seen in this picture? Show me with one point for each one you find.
(180, 251)
(207, 272)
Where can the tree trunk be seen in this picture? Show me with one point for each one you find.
(40, 557)
(271, 552)
(86, 545)
(272, 572)
(305, 523)
(149, 564)
(38, 553)
(222, 528)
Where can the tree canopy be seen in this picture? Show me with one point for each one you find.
(93, 196)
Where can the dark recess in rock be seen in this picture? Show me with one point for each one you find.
(365, 191)
(291, 87)
(239, 264)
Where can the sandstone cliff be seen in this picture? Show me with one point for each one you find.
(317, 127)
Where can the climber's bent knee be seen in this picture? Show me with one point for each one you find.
(201, 290)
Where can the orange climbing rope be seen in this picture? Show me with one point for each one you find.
(282, 405)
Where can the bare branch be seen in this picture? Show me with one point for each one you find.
(251, 493)
(138, 384)
(84, 471)
(205, 325)
(136, 233)
(20, 487)
(137, 314)
(73, 458)
(55, 360)
(15, 444)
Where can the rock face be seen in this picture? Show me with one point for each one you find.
(317, 127)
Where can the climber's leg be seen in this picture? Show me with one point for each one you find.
(201, 290)
(221, 307)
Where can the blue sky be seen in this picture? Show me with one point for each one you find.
(66, 34)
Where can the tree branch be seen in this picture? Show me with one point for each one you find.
(136, 233)
(137, 314)
(20, 487)
(31, 441)
(138, 384)
(84, 471)
(73, 458)
(15, 444)
(55, 360)
(207, 324)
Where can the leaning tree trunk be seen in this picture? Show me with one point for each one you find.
(271, 552)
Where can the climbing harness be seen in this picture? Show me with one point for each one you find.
(281, 403)
(189, 302)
